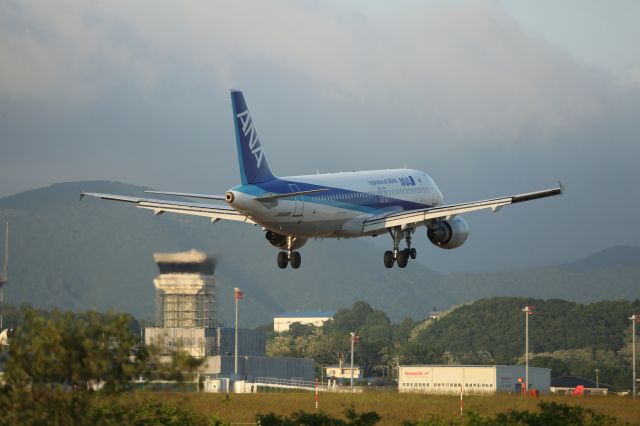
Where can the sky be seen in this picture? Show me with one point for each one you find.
(490, 98)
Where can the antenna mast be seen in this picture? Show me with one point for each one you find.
(5, 271)
(4, 278)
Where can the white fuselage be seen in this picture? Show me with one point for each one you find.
(340, 210)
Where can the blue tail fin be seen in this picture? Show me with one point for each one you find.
(253, 161)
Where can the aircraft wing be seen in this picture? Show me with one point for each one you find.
(419, 216)
(212, 211)
(189, 195)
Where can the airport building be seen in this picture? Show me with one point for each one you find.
(186, 321)
(471, 378)
(283, 321)
(569, 385)
(343, 372)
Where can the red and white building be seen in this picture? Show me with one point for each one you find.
(470, 378)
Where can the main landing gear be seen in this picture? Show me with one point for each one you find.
(401, 257)
(289, 256)
(284, 258)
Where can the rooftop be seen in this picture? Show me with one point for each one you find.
(572, 382)
(186, 262)
(307, 314)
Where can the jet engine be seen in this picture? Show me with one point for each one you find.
(449, 234)
(280, 241)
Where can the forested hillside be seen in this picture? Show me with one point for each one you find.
(495, 327)
(567, 337)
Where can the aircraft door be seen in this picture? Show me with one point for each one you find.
(298, 208)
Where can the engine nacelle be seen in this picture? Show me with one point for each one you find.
(280, 241)
(449, 234)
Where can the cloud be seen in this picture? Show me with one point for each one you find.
(467, 69)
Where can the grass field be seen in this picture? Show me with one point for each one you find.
(394, 408)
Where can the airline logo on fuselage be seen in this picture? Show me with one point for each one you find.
(407, 181)
(249, 131)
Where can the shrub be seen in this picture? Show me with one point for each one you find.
(302, 418)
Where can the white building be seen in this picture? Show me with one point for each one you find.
(283, 321)
(471, 378)
(343, 372)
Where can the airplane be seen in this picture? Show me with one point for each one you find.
(293, 209)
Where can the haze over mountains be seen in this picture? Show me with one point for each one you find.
(98, 254)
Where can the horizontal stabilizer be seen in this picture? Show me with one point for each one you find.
(290, 194)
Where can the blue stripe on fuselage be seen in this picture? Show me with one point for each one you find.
(358, 201)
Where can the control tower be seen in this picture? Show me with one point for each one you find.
(185, 290)
(185, 304)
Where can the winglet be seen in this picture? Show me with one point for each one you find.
(561, 188)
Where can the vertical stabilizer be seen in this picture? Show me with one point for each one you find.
(251, 156)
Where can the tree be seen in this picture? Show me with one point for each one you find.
(282, 346)
(374, 328)
(54, 359)
(338, 345)
(73, 351)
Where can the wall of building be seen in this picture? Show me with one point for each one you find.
(250, 367)
(197, 342)
(447, 379)
(507, 378)
(283, 368)
(343, 372)
(200, 342)
(250, 342)
(475, 379)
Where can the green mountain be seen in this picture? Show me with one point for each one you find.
(497, 326)
(98, 254)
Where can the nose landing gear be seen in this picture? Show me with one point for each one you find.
(401, 257)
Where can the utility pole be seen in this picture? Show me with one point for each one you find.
(634, 318)
(528, 311)
(237, 295)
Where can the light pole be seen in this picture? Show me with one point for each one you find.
(237, 295)
(528, 311)
(353, 335)
(354, 339)
(634, 318)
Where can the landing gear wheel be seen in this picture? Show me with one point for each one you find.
(282, 259)
(296, 259)
(413, 253)
(403, 258)
(388, 259)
